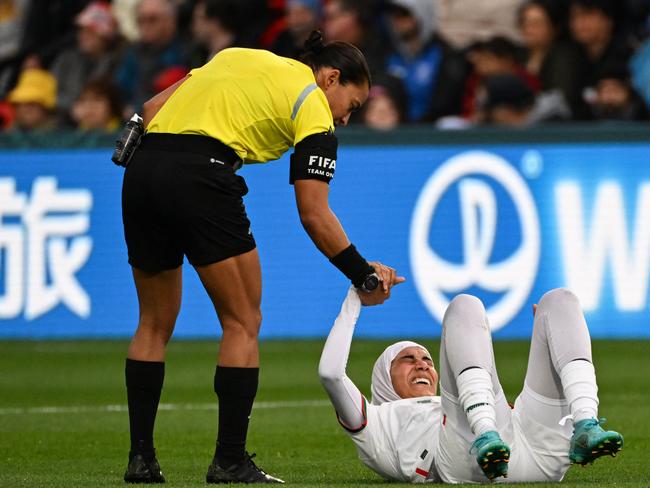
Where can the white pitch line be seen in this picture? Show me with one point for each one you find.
(162, 406)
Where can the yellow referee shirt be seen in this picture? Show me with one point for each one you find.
(255, 102)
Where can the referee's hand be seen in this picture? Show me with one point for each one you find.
(387, 279)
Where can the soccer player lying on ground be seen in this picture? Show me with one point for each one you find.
(469, 433)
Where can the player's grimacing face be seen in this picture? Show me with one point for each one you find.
(413, 374)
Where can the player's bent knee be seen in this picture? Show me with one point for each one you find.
(465, 301)
(558, 298)
(463, 313)
(463, 305)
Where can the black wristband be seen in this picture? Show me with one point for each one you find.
(352, 265)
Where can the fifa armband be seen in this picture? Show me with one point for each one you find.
(314, 158)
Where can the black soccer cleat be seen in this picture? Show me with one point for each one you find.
(244, 472)
(141, 470)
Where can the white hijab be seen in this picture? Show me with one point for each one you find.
(382, 386)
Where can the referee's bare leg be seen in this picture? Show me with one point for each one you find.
(235, 287)
(159, 298)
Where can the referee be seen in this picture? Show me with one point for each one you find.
(182, 197)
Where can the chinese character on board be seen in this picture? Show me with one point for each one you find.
(43, 244)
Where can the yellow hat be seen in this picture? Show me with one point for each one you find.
(35, 86)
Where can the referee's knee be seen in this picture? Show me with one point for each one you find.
(156, 329)
(247, 326)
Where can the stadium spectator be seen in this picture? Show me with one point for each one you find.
(464, 22)
(594, 26)
(354, 21)
(33, 30)
(95, 54)
(507, 100)
(217, 25)
(385, 108)
(550, 56)
(7, 114)
(209, 34)
(276, 11)
(640, 71)
(125, 12)
(431, 72)
(159, 48)
(49, 28)
(34, 101)
(168, 77)
(469, 434)
(614, 97)
(98, 107)
(257, 17)
(12, 42)
(302, 17)
(182, 197)
(504, 100)
(496, 56)
(184, 16)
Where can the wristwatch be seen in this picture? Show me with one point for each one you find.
(370, 283)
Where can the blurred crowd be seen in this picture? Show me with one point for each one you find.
(88, 65)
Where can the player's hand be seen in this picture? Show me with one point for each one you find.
(534, 309)
(387, 279)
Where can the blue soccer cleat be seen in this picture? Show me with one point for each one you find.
(492, 454)
(590, 441)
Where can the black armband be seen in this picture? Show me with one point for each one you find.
(352, 265)
(314, 158)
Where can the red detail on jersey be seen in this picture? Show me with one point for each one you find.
(444, 419)
(365, 418)
(422, 472)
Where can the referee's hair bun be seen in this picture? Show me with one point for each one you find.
(315, 42)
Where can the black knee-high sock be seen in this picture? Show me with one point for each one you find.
(236, 389)
(144, 381)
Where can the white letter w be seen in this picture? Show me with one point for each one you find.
(585, 253)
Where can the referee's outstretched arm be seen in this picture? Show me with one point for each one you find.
(325, 230)
(317, 218)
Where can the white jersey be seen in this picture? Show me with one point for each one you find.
(400, 439)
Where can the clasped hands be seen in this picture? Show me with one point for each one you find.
(387, 279)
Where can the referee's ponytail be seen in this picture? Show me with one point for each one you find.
(339, 55)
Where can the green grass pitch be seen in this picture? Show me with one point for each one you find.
(63, 421)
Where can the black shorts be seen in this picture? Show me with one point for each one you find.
(181, 196)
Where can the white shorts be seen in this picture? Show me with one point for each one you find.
(539, 445)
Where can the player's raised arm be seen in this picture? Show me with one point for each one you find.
(346, 398)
